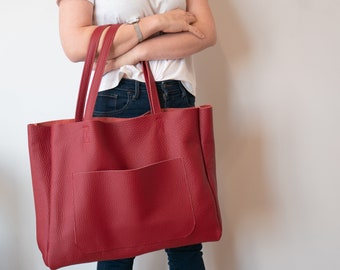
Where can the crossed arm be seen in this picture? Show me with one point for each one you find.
(185, 33)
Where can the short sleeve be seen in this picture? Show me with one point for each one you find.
(91, 1)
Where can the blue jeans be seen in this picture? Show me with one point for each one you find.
(129, 99)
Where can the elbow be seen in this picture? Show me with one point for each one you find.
(209, 31)
(211, 39)
(74, 50)
(74, 55)
(74, 58)
(212, 36)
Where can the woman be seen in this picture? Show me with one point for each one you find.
(165, 33)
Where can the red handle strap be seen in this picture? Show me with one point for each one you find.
(155, 106)
(85, 79)
(103, 55)
(97, 77)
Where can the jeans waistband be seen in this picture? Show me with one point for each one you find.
(161, 85)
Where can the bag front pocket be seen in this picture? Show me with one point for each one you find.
(118, 209)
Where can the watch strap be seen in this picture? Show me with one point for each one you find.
(138, 32)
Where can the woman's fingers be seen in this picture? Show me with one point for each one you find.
(194, 30)
(190, 18)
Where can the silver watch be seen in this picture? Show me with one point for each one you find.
(135, 24)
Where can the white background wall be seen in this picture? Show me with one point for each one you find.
(273, 79)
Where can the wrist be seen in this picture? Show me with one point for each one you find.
(151, 25)
(139, 53)
(159, 23)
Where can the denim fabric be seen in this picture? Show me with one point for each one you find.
(129, 99)
(122, 264)
(181, 258)
(186, 258)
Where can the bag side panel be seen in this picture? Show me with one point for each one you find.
(40, 161)
(208, 150)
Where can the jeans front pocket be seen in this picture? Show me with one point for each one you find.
(112, 102)
(175, 95)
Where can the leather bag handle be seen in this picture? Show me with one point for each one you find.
(99, 71)
(91, 100)
(85, 79)
(151, 87)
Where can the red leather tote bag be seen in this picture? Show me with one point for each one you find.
(109, 188)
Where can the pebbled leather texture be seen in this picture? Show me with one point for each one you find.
(109, 188)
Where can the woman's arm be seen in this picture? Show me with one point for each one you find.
(75, 24)
(179, 45)
(174, 45)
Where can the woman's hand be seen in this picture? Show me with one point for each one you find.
(178, 20)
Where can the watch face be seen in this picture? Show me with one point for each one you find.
(133, 20)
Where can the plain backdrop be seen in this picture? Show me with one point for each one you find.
(274, 81)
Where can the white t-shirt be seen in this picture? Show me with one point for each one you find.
(112, 12)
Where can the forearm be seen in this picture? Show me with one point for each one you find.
(126, 37)
(163, 47)
(172, 46)
(176, 24)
